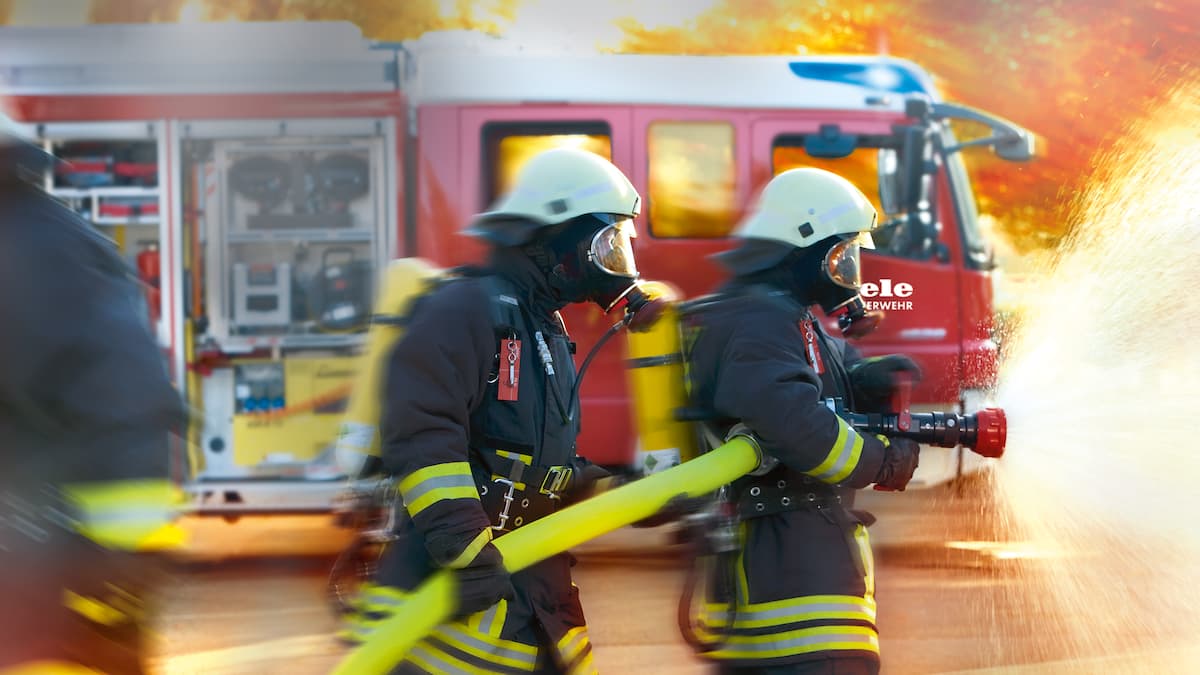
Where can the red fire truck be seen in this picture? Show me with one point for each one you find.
(272, 169)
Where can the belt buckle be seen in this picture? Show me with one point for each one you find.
(508, 500)
(557, 478)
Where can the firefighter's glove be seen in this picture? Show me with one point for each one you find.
(900, 459)
(874, 380)
(482, 583)
(587, 480)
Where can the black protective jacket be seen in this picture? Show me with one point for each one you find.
(802, 586)
(449, 437)
(84, 393)
(85, 402)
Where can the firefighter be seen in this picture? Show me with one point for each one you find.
(479, 420)
(797, 592)
(85, 411)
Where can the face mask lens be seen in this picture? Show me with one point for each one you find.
(612, 249)
(842, 264)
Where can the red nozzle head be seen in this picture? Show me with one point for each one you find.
(991, 432)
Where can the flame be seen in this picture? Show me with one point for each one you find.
(1074, 71)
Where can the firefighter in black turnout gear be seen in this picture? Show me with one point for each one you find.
(796, 593)
(479, 427)
(86, 409)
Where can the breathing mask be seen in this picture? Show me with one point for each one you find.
(594, 260)
(830, 276)
(842, 269)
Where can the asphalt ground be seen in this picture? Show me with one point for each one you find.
(250, 598)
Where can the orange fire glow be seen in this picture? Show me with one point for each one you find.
(1074, 71)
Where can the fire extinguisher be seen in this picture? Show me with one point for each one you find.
(148, 272)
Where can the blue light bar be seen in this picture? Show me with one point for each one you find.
(887, 77)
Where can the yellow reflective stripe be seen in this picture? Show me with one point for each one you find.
(843, 456)
(488, 648)
(134, 515)
(801, 641)
(571, 645)
(472, 549)
(358, 628)
(379, 598)
(743, 588)
(491, 621)
(866, 604)
(792, 610)
(432, 484)
(516, 456)
(585, 666)
(520, 487)
(864, 545)
(371, 599)
(354, 634)
(93, 610)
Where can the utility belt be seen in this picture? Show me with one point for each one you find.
(777, 493)
(516, 493)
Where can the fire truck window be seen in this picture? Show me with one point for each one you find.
(511, 151)
(859, 167)
(693, 179)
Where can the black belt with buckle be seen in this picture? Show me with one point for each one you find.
(768, 497)
(510, 506)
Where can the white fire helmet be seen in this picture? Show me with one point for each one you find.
(797, 209)
(553, 187)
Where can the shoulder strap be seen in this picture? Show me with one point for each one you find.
(503, 303)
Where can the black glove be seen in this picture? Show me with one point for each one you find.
(587, 481)
(482, 583)
(899, 462)
(874, 380)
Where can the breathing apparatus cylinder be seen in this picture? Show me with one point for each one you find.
(358, 434)
(657, 383)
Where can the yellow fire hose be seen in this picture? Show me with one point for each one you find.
(433, 603)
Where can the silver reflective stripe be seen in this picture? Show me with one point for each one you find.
(839, 466)
(524, 659)
(384, 600)
(439, 483)
(485, 622)
(426, 657)
(148, 517)
(786, 646)
(795, 613)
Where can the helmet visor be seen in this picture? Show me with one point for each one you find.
(843, 264)
(612, 247)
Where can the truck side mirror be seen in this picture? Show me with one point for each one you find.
(1007, 140)
(830, 143)
(912, 172)
(890, 187)
(1021, 147)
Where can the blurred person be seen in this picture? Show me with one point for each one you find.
(85, 411)
(479, 420)
(796, 594)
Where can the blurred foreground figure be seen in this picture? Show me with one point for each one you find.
(793, 589)
(480, 420)
(85, 411)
